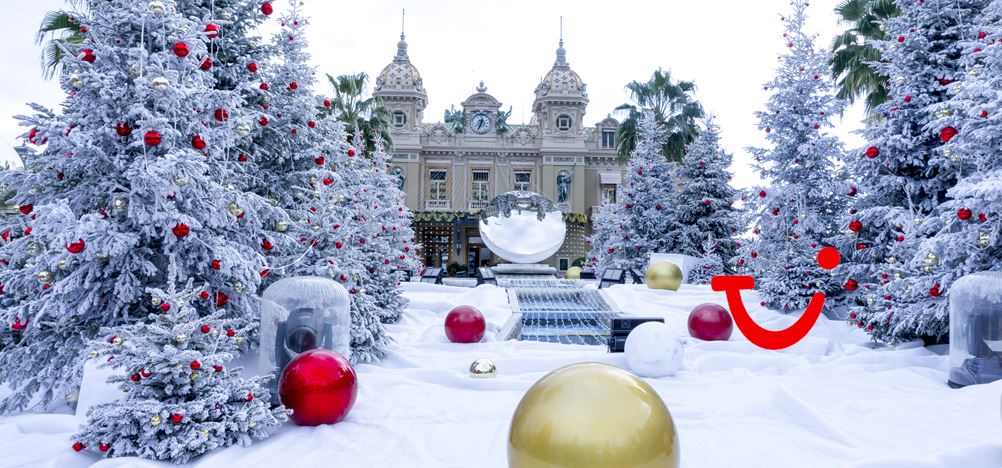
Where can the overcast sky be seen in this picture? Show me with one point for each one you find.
(728, 47)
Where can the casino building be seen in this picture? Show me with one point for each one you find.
(451, 169)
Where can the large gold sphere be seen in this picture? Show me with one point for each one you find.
(573, 273)
(592, 415)
(663, 274)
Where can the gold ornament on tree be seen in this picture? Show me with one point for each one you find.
(592, 415)
(573, 273)
(663, 274)
(116, 341)
(155, 301)
(281, 226)
(120, 204)
(181, 338)
(75, 81)
(483, 369)
(943, 113)
(234, 209)
(62, 265)
(931, 260)
(155, 420)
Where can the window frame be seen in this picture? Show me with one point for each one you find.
(570, 122)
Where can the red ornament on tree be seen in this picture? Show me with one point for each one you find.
(88, 55)
(872, 152)
(934, 291)
(26, 208)
(206, 64)
(197, 142)
(252, 67)
(327, 102)
(77, 446)
(76, 247)
(855, 225)
(311, 124)
(204, 295)
(211, 31)
(465, 324)
(319, 160)
(215, 264)
(266, 8)
(222, 115)
(964, 214)
(123, 129)
(982, 217)
(181, 230)
(761, 193)
(293, 85)
(851, 285)
(947, 134)
(195, 365)
(710, 322)
(152, 138)
(165, 307)
(221, 300)
(901, 38)
(181, 49)
(176, 418)
(351, 153)
(266, 245)
(319, 386)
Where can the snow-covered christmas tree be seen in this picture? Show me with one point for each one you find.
(906, 171)
(705, 212)
(181, 399)
(120, 178)
(641, 221)
(797, 215)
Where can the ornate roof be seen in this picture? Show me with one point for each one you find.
(561, 80)
(400, 75)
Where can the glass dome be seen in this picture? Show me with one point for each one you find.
(976, 329)
(303, 313)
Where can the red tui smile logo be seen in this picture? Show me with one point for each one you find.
(828, 258)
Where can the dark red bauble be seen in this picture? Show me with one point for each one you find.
(851, 285)
(855, 225)
(710, 322)
(181, 230)
(266, 245)
(465, 324)
(319, 386)
(266, 8)
(872, 152)
(964, 214)
(211, 31)
(26, 209)
(197, 142)
(327, 102)
(252, 67)
(222, 115)
(181, 49)
(165, 307)
(77, 446)
(76, 247)
(319, 160)
(206, 64)
(221, 300)
(947, 134)
(88, 55)
(351, 153)
(123, 129)
(152, 138)
(293, 85)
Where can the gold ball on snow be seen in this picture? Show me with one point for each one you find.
(663, 274)
(483, 369)
(592, 415)
(573, 273)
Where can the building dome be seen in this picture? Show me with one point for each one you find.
(400, 74)
(561, 80)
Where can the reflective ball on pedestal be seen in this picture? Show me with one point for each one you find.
(710, 322)
(653, 350)
(663, 274)
(319, 386)
(465, 324)
(592, 415)
(522, 227)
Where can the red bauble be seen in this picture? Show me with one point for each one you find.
(761, 193)
(135, 377)
(152, 138)
(221, 300)
(982, 35)
(217, 368)
(222, 115)
(947, 134)
(204, 329)
(465, 324)
(26, 209)
(123, 129)
(327, 102)
(197, 142)
(88, 55)
(204, 294)
(851, 285)
(252, 67)
(176, 418)
(77, 446)
(211, 31)
(206, 64)
(319, 386)
(266, 8)
(181, 49)
(984, 114)
(853, 191)
(934, 291)
(215, 264)
(103, 447)
(195, 365)
(231, 332)
(319, 160)
(165, 307)
(351, 153)
(181, 230)
(982, 217)
(76, 247)
(266, 245)
(855, 225)
(872, 152)
(328, 181)
(964, 214)
(293, 85)
(901, 38)
(263, 121)
(710, 322)
(311, 124)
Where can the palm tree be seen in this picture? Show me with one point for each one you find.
(58, 34)
(674, 109)
(360, 113)
(853, 56)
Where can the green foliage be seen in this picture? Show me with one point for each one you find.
(674, 108)
(853, 56)
(359, 112)
(59, 34)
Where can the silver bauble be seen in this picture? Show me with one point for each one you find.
(46, 276)
(155, 301)
(62, 265)
(225, 15)
(242, 130)
(157, 7)
(180, 181)
(160, 84)
(181, 338)
(281, 226)
(120, 204)
(239, 287)
(34, 248)
(76, 81)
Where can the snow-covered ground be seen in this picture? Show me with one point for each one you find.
(829, 401)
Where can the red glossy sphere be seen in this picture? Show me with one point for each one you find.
(319, 386)
(710, 322)
(465, 324)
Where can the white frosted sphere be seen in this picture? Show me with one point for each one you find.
(653, 350)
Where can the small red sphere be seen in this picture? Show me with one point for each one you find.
(217, 368)
(319, 160)
(176, 418)
(180, 230)
(710, 322)
(263, 121)
(855, 225)
(215, 264)
(77, 446)
(761, 193)
(135, 377)
(851, 285)
(872, 152)
(311, 124)
(76, 247)
(327, 102)
(88, 55)
(293, 85)
(328, 181)
(206, 64)
(204, 329)
(211, 31)
(264, 86)
(465, 324)
(319, 386)
(204, 295)
(252, 67)
(351, 153)
(152, 138)
(123, 129)
(222, 115)
(195, 365)
(181, 49)
(231, 332)
(103, 447)
(197, 142)
(222, 299)
(165, 307)
(964, 214)
(947, 134)
(266, 245)
(266, 8)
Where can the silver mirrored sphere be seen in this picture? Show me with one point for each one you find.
(522, 227)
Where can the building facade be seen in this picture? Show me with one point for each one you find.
(451, 169)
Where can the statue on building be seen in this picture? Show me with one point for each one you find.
(398, 172)
(563, 186)
(502, 123)
(455, 119)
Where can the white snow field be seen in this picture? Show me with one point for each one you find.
(830, 401)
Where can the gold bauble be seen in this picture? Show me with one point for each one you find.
(194, 376)
(120, 204)
(234, 209)
(943, 113)
(62, 265)
(573, 273)
(134, 71)
(46, 276)
(239, 341)
(663, 274)
(205, 433)
(155, 301)
(592, 415)
(483, 369)
(281, 226)
(160, 84)
(93, 353)
(180, 181)
(155, 420)
(180, 338)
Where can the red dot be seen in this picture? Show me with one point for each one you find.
(829, 258)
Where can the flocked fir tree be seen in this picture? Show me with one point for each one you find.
(796, 216)
(906, 171)
(181, 399)
(705, 214)
(641, 221)
(122, 176)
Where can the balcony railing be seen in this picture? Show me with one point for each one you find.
(477, 205)
(438, 205)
